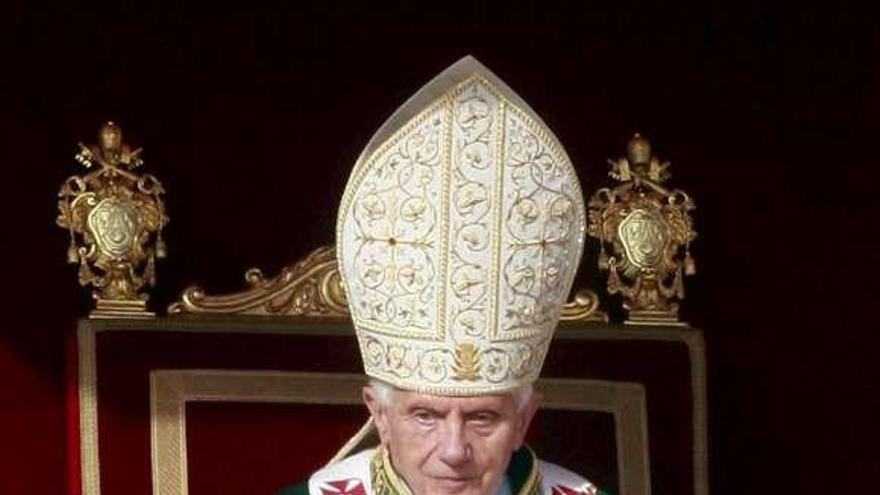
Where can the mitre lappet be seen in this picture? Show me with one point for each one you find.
(458, 237)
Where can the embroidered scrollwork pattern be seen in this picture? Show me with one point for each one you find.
(395, 216)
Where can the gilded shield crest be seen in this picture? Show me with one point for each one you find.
(114, 223)
(644, 237)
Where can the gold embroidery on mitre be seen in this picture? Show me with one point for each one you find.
(466, 364)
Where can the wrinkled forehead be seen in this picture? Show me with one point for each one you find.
(496, 402)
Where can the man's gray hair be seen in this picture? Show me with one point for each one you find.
(384, 391)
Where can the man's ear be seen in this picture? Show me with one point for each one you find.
(377, 410)
(526, 413)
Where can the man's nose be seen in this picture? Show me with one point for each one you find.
(454, 447)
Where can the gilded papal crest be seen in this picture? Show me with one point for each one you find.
(114, 217)
(114, 223)
(648, 229)
(644, 235)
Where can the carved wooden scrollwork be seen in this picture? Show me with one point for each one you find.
(310, 287)
(584, 306)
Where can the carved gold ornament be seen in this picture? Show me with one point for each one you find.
(114, 216)
(648, 229)
(307, 288)
(583, 306)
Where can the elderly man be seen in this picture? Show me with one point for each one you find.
(458, 238)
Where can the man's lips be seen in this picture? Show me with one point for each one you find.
(455, 481)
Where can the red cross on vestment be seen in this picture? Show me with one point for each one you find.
(350, 486)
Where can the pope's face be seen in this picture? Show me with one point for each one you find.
(450, 445)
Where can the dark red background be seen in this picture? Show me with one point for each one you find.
(254, 120)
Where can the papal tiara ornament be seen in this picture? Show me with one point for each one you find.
(458, 237)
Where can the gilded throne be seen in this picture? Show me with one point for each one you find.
(247, 392)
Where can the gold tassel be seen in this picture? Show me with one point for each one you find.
(613, 280)
(161, 251)
(690, 267)
(678, 284)
(72, 253)
(150, 271)
(603, 259)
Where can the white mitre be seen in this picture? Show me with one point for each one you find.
(458, 238)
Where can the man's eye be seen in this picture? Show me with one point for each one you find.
(424, 417)
(483, 420)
